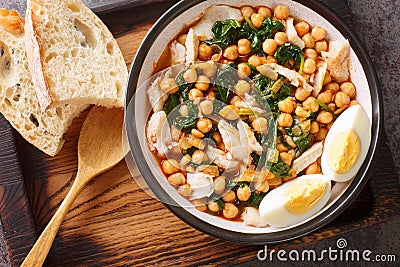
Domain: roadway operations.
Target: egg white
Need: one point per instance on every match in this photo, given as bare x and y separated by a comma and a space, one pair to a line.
272, 207
354, 118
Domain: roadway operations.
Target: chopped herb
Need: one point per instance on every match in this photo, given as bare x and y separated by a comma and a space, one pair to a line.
303, 142
280, 169
225, 33
324, 106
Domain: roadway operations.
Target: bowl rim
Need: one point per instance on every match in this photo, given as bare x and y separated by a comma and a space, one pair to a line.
274, 237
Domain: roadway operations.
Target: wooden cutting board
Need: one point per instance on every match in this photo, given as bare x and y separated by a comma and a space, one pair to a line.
113, 222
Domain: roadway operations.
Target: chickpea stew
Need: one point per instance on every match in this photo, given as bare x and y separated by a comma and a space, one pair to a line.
249, 110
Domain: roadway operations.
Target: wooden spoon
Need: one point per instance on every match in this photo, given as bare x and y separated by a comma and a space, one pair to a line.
99, 149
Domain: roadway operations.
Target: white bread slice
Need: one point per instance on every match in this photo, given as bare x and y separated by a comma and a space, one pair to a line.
18, 101
72, 55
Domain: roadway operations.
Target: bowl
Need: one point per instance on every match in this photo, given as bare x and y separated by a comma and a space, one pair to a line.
137, 109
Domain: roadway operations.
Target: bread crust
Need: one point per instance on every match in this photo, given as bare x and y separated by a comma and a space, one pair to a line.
11, 21
35, 62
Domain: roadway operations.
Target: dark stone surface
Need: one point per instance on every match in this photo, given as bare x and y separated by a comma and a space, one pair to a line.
377, 24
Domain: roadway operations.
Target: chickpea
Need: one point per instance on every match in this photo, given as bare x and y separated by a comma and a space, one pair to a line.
302, 112
314, 127
264, 11
190, 76
260, 125
183, 110
199, 156
353, 103
280, 38
310, 53
301, 94
313, 168
247, 11
321, 46
257, 20
205, 52
332, 106
271, 59
231, 52
244, 70
310, 104
348, 88
309, 66
308, 40
285, 120
255, 61
286, 105
327, 78
242, 87
228, 112
184, 143
282, 12
324, 117
281, 147
302, 28
204, 125
235, 99
270, 46
341, 99
203, 82
182, 39
200, 205
194, 94
185, 190
286, 158
206, 107
243, 193
213, 206
219, 185
306, 76
325, 97
169, 85
318, 33
177, 179
290, 142
332, 86
211, 70
321, 135
170, 166
229, 196
217, 137
230, 211
244, 46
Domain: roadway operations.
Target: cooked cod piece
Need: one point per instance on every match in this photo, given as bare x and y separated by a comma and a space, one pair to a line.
338, 60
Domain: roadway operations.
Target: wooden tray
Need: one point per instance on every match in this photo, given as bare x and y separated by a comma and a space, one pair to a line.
113, 222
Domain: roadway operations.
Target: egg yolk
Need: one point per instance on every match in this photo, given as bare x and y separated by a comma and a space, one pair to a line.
304, 195
344, 151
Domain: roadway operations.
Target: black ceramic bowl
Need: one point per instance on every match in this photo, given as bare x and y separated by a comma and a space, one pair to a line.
137, 109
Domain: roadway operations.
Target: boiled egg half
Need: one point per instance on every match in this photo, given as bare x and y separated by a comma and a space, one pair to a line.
295, 201
346, 144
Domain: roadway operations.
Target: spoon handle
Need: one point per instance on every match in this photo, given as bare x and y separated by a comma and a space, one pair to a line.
42, 246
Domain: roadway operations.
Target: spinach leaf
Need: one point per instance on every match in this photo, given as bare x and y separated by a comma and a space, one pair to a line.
287, 52
258, 36
171, 104
185, 123
225, 33
303, 142
183, 86
255, 199
263, 94
280, 169
225, 81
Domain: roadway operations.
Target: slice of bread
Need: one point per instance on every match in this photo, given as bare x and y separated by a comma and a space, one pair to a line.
18, 101
72, 55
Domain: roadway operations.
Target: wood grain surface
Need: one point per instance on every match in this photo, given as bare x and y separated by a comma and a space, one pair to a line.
114, 223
